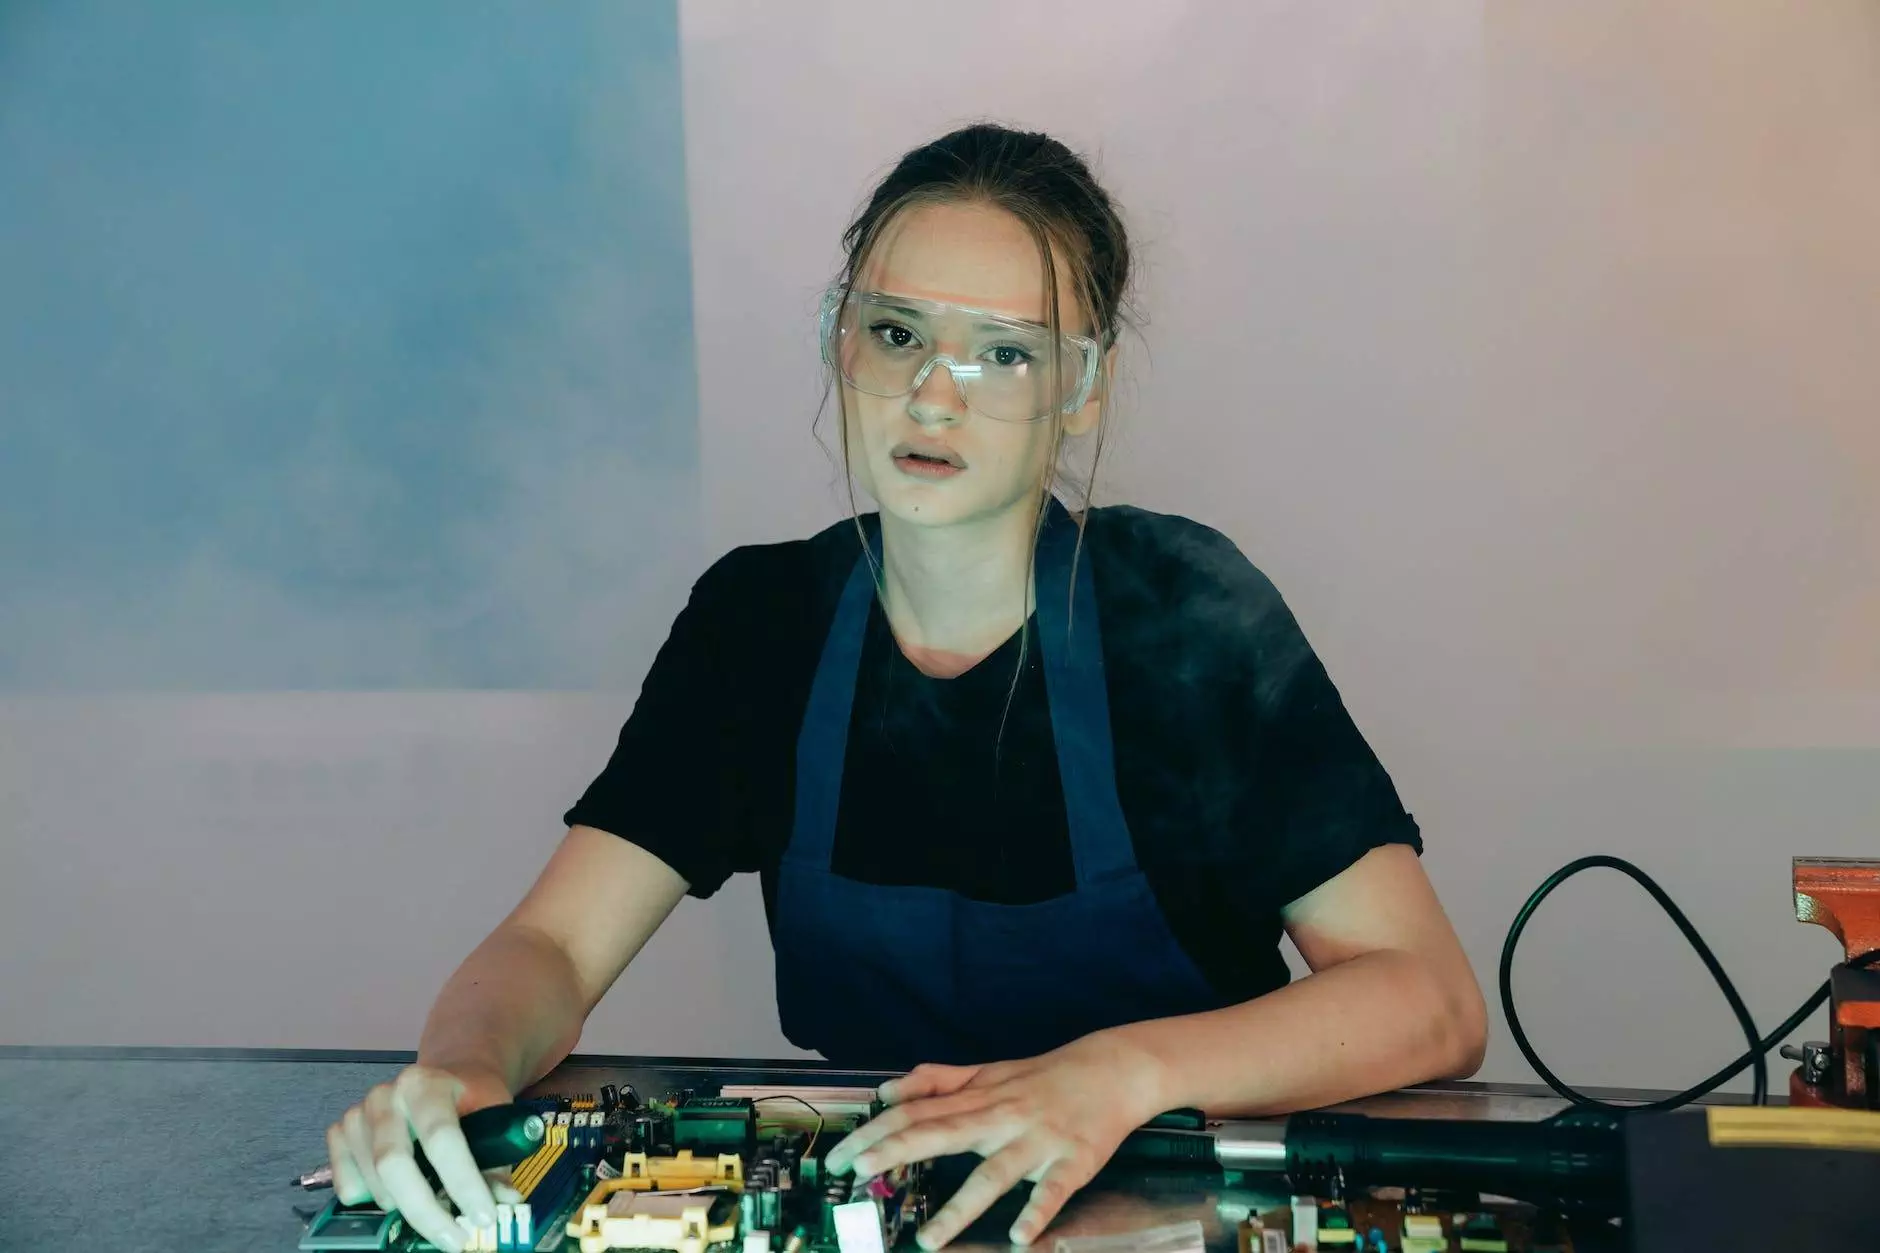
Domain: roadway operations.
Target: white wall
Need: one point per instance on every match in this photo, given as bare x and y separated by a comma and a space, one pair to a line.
1526, 352
1529, 354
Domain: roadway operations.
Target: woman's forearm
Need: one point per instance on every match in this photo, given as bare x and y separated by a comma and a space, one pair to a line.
1380, 1021
513, 1009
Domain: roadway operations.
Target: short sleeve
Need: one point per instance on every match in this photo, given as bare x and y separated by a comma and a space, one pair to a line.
664, 788
1332, 799
1243, 775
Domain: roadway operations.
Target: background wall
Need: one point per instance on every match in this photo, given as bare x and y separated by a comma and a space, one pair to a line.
1525, 347
348, 443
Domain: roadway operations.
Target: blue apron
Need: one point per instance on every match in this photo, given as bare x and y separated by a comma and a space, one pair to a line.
889, 977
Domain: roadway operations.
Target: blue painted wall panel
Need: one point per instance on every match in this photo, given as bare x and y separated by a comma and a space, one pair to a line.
343, 345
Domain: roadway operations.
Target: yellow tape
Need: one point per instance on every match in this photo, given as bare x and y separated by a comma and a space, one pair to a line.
1793, 1127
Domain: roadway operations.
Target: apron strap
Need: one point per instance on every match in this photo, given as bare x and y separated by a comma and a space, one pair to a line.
1071, 642
822, 742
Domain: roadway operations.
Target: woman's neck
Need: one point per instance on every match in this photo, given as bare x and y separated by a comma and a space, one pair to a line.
954, 594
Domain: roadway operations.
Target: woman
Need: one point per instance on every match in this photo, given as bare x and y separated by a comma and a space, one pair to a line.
1032, 793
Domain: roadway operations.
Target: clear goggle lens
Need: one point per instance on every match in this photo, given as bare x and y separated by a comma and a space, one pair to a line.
886, 345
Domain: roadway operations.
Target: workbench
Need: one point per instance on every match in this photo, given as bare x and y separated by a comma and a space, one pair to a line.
193, 1150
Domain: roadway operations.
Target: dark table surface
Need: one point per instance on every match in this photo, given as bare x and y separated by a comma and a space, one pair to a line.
192, 1150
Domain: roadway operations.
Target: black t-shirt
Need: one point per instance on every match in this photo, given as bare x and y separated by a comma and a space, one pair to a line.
1244, 782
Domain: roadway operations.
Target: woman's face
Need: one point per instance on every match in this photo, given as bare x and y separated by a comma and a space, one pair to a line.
981, 257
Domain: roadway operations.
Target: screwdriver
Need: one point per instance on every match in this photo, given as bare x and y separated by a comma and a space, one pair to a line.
501, 1135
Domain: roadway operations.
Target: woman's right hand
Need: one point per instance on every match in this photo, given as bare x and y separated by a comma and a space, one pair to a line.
371, 1151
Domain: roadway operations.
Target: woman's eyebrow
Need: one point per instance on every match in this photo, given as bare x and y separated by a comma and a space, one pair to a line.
992, 327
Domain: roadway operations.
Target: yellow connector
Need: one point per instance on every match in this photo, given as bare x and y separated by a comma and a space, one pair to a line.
616, 1215
640, 1173
531, 1170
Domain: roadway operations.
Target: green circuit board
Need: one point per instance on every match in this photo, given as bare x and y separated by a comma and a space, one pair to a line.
684, 1173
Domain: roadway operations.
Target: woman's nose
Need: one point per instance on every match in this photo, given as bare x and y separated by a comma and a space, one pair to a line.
937, 400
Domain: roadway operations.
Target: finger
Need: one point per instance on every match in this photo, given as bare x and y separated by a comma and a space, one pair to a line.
428, 1101
994, 1177
358, 1136
349, 1183
419, 1204
402, 1185
502, 1185
899, 1118
1048, 1195
931, 1079
985, 1131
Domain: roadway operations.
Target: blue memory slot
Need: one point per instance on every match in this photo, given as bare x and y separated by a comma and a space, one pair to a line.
556, 1190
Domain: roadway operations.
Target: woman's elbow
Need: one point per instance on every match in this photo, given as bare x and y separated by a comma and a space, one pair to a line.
1465, 1027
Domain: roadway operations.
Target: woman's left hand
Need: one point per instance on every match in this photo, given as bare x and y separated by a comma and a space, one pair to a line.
1054, 1119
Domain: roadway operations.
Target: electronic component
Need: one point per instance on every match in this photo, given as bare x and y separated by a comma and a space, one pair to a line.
1334, 1227
1423, 1233
1305, 1223
478, 1239
681, 1172
540, 1177
714, 1124
351, 1227
1479, 1233
858, 1226
832, 1103
615, 1216
761, 1206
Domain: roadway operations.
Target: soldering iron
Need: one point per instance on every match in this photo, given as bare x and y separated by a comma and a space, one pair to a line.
500, 1135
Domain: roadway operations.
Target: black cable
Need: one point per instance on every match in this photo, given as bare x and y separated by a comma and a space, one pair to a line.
1756, 1054
820, 1120
1758, 1047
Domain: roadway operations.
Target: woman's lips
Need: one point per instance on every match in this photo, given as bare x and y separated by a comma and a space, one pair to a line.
924, 468
927, 462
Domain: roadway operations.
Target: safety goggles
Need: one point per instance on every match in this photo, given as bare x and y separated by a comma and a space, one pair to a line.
887, 345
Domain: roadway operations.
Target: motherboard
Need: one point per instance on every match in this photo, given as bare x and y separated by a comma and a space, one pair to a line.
738, 1170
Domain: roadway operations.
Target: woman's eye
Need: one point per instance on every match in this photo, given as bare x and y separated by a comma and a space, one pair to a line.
892, 335
1008, 356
